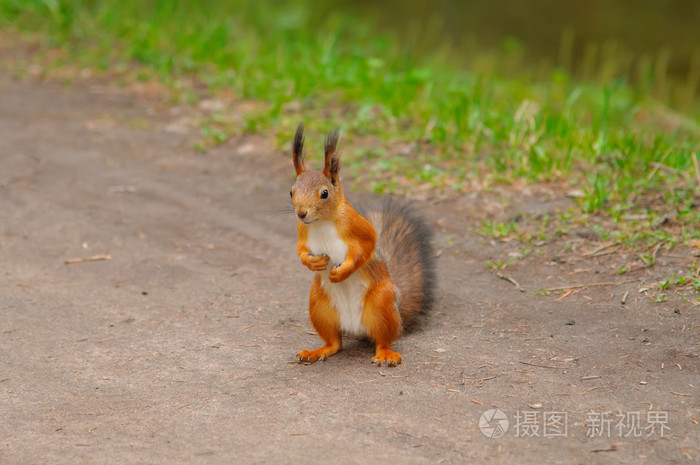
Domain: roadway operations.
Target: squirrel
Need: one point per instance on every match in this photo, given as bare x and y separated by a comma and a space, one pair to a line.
372, 275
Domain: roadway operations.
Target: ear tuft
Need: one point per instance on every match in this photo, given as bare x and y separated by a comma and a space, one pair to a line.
332, 166
332, 142
335, 168
298, 150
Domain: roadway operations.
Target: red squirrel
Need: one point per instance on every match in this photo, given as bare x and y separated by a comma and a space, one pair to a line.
372, 275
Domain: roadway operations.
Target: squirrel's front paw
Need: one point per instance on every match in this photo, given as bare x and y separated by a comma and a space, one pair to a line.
338, 274
315, 262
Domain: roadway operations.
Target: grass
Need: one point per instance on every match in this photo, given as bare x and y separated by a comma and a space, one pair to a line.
409, 120
684, 283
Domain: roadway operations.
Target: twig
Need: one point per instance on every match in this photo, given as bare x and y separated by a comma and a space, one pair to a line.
651, 261
656, 250
564, 295
541, 366
602, 254
661, 167
586, 378
510, 280
612, 448
673, 255
658, 165
94, 258
600, 249
581, 286
624, 298
580, 271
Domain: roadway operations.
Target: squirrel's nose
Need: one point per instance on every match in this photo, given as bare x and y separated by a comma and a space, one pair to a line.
302, 214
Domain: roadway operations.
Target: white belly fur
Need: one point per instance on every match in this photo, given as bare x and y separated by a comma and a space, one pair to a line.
347, 297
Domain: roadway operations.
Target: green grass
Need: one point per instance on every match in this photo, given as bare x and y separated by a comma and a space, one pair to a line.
686, 283
409, 120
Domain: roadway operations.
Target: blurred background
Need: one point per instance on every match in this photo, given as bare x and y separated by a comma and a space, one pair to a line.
654, 44
599, 96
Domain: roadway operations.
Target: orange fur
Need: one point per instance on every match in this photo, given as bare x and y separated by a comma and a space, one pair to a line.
379, 314
318, 196
312, 262
325, 322
360, 238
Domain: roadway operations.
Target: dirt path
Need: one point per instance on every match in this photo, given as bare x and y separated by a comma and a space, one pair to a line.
180, 347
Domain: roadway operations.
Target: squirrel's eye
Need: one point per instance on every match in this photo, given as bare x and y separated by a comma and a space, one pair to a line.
324, 194
290, 194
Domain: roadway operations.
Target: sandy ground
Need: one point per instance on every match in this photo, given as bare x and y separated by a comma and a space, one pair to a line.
180, 347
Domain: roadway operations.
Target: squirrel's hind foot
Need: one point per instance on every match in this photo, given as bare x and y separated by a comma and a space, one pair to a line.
387, 356
312, 356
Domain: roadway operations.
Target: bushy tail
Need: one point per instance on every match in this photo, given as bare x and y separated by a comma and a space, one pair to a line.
404, 244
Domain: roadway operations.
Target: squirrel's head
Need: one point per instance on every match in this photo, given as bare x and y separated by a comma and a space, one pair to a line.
316, 194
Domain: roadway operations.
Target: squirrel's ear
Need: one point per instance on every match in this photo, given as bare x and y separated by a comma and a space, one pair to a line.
332, 166
298, 150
